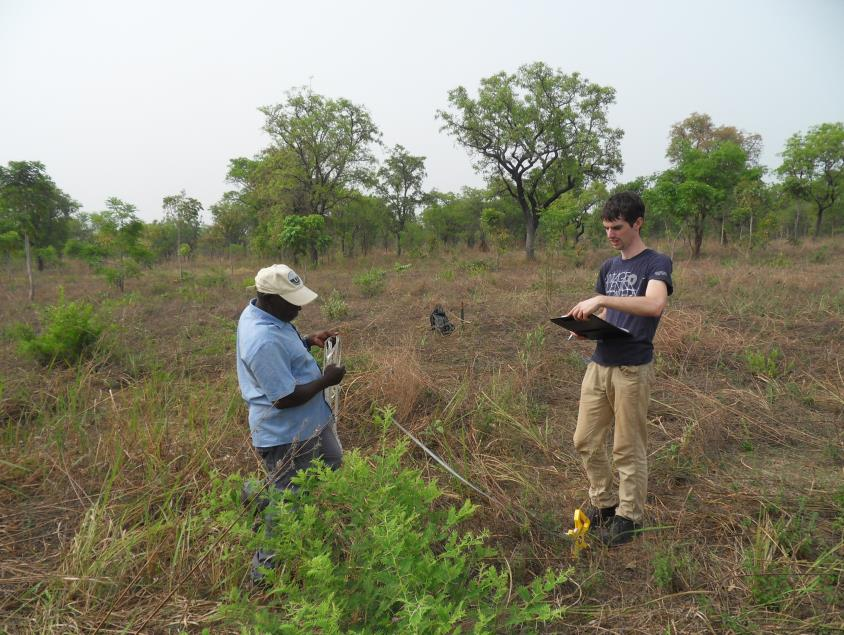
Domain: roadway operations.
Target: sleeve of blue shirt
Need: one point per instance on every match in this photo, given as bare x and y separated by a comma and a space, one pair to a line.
270, 365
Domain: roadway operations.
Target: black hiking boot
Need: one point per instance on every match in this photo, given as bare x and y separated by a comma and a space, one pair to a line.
600, 516
620, 531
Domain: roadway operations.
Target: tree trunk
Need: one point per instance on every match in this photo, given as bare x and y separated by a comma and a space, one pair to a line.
698, 238
179, 249
818, 222
28, 265
750, 235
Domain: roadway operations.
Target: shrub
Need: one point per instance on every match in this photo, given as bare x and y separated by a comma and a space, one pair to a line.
334, 306
372, 282
372, 548
770, 364
69, 333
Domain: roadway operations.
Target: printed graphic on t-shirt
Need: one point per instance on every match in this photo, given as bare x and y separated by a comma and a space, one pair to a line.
621, 284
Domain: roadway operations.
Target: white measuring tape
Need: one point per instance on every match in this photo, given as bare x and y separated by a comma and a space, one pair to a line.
332, 356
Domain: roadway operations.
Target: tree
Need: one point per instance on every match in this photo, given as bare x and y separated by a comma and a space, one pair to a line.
571, 211
753, 199
699, 184
35, 208
708, 163
183, 211
399, 183
330, 143
359, 222
303, 234
539, 133
454, 218
699, 132
114, 250
233, 219
812, 167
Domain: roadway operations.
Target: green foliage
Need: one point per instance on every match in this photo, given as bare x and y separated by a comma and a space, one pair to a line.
770, 363
398, 267
69, 333
303, 234
183, 212
767, 576
372, 548
533, 343
475, 267
113, 249
673, 567
32, 204
399, 184
708, 164
322, 147
372, 282
813, 167
47, 255
334, 306
536, 133
184, 250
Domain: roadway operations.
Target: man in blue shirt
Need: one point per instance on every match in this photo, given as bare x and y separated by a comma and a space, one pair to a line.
290, 421
633, 290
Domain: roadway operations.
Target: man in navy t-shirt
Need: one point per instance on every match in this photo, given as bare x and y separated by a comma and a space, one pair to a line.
633, 290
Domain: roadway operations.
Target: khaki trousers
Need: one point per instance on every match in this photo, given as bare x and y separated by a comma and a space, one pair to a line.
622, 392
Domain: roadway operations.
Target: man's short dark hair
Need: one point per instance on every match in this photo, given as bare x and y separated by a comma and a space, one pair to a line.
625, 206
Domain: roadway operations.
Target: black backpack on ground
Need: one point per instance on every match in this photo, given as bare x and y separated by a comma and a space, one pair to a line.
440, 321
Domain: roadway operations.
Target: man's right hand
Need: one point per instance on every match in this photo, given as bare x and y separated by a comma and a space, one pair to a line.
333, 374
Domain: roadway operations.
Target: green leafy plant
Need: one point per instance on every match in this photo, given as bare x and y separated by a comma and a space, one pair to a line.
373, 548
69, 333
372, 282
334, 307
673, 568
767, 576
769, 363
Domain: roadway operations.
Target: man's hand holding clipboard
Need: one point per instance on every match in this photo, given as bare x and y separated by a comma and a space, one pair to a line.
592, 328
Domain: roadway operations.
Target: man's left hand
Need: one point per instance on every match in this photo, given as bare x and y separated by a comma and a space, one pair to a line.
318, 339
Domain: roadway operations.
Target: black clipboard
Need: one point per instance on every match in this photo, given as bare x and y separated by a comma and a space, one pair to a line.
594, 328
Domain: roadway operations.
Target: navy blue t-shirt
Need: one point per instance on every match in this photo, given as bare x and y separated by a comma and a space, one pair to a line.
625, 278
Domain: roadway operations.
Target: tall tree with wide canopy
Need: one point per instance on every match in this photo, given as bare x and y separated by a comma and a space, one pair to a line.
331, 142
708, 163
34, 207
539, 132
813, 167
399, 184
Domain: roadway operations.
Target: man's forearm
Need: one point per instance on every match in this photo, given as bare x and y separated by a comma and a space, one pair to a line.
635, 305
302, 394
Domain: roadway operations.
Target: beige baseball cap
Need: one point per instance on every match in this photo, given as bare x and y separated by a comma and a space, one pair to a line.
282, 280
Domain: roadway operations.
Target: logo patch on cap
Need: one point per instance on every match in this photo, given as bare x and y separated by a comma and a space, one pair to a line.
293, 278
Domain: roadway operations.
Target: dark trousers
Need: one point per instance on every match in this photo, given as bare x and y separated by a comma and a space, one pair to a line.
282, 462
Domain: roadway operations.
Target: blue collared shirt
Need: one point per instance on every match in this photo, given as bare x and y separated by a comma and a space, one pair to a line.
271, 362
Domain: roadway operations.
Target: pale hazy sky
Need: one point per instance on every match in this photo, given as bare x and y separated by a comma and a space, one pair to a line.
142, 99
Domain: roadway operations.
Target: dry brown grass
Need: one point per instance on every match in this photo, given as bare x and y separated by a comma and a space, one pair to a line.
102, 466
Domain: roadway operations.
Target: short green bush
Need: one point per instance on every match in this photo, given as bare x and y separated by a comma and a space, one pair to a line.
69, 333
334, 307
373, 548
371, 283
769, 363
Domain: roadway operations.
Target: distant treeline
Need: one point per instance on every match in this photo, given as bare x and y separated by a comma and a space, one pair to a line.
539, 137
